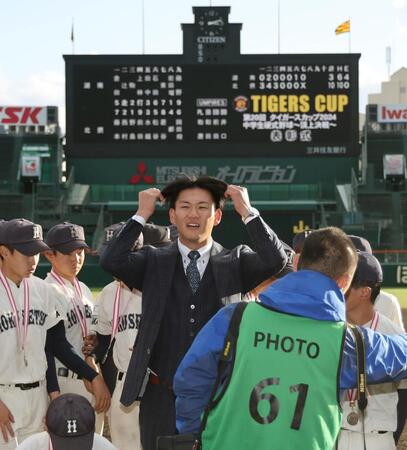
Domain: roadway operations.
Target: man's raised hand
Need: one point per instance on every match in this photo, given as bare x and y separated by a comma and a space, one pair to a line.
147, 200
240, 199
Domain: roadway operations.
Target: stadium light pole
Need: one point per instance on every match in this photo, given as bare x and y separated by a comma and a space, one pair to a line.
143, 43
278, 26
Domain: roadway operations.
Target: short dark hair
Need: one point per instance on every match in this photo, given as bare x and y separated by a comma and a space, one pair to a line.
214, 186
10, 249
375, 287
329, 251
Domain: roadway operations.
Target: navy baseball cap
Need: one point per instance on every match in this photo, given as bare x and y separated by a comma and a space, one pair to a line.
70, 421
361, 244
66, 237
109, 232
23, 235
368, 268
298, 240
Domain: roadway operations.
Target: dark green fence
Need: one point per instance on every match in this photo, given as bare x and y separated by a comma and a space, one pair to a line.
395, 275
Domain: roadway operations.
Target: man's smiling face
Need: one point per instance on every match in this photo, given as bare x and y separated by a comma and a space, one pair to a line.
195, 215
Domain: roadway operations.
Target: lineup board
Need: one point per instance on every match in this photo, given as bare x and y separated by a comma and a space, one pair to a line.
299, 105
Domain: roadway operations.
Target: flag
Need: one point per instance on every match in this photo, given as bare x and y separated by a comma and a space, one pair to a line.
343, 28
72, 33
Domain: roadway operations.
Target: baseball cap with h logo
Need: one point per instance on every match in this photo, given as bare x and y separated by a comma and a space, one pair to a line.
66, 237
70, 421
23, 236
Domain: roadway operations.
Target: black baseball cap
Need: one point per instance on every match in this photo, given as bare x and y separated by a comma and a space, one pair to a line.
23, 235
173, 232
368, 268
361, 244
109, 232
156, 235
299, 239
70, 421
289, 267
66, 237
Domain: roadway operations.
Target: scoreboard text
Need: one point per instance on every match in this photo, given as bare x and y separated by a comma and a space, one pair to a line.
131, 106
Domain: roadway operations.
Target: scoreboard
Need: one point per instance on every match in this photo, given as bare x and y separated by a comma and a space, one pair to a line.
250, 105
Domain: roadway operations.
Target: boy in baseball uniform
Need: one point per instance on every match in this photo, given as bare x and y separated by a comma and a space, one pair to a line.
67, 255
374, 427
119, 318
27, 316
27, 312
70, 423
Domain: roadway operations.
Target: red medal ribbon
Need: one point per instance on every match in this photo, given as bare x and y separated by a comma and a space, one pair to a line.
81, 317
21, 329
375, 321
116, 311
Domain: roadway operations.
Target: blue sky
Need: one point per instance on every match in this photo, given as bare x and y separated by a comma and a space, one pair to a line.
35, 35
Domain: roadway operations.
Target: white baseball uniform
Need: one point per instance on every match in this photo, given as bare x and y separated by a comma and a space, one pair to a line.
381, 412
23, 361
76, 300
388, 305
123, 421
40, 441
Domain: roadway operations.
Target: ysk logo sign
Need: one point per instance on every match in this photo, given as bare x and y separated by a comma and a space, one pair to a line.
23, 115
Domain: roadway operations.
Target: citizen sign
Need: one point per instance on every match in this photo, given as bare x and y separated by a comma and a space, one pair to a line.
211, 39
23, 115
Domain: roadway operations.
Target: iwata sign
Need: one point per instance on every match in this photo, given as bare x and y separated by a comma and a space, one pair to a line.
23, 115
392, 113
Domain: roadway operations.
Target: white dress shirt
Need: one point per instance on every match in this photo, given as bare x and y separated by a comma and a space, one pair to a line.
202, 261
204, 251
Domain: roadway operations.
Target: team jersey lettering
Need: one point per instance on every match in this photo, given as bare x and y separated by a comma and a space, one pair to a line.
129, 322
36, 317
7, 322
72, 318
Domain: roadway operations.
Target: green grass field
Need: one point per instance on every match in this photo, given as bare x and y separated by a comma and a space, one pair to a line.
400, 293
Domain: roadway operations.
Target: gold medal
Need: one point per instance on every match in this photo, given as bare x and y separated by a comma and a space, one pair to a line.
353, 418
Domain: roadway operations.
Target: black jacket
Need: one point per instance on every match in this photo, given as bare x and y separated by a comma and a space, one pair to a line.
150, 270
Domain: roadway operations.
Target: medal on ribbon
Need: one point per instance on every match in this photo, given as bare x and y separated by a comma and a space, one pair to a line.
76, 306
21, 325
